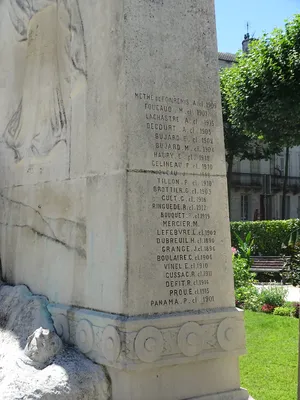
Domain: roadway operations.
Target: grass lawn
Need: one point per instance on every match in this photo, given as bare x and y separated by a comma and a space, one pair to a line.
270, 369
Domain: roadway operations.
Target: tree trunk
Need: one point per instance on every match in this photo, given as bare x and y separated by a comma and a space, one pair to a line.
229, 179
285, 181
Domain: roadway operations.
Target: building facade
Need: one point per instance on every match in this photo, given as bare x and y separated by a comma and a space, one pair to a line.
256, 188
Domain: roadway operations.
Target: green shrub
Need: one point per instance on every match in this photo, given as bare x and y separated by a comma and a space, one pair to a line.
248, 297
245, 247
291, 256
274, 296
246, 294
285, 311
241, 272
295, 306
268, 236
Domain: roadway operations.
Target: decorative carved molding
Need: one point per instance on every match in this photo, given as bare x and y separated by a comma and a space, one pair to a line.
131, 343
61, 325
229, 334
111, 343
85, 336
190, 339
149, 344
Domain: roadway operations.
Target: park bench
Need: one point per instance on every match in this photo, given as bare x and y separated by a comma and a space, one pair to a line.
267, 267
266, 264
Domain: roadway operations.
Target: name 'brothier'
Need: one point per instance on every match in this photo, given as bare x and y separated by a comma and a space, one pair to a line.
170, 189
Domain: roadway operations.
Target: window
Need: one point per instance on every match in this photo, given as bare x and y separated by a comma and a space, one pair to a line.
272, 165
281, 163
287, 206
236, 166
244, 207
255, 166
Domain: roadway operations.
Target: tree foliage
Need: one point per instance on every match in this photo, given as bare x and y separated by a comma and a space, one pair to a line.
269, 236
262, 91
239, 143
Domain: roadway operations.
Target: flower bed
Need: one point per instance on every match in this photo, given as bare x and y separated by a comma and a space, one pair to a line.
271, 300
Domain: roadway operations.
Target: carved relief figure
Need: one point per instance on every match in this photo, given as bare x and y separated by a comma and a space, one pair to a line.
53, 33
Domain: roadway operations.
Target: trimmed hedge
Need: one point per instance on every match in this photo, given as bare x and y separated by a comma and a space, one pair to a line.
268, 235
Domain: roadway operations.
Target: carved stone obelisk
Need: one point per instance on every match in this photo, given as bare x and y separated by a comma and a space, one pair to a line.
113, 190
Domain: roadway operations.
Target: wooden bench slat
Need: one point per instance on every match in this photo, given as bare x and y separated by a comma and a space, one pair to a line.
266, 264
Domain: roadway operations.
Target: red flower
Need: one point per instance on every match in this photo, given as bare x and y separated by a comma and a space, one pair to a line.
267, 308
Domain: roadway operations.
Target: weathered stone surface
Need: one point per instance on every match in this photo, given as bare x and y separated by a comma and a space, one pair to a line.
21, 313
41, 347
70, 376
113, 192
43, 81
145, 342
112, 155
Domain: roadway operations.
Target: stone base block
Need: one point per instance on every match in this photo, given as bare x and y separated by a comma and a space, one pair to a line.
162, 357
216, 379
142, 342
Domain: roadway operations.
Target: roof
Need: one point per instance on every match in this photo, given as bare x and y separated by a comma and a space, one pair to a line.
227, 57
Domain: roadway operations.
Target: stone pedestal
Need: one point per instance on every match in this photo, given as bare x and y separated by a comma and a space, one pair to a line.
114, 200
170, 356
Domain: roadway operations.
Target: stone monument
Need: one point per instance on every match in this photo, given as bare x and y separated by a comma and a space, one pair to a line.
113, 188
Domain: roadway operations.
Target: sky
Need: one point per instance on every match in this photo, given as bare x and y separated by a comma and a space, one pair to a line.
262, 16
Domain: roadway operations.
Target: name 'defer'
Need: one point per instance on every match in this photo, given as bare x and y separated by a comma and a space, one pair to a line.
182, 283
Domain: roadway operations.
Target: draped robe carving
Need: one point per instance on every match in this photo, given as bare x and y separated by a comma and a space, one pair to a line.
53, 34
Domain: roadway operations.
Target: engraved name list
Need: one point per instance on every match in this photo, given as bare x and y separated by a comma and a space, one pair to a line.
181, 138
